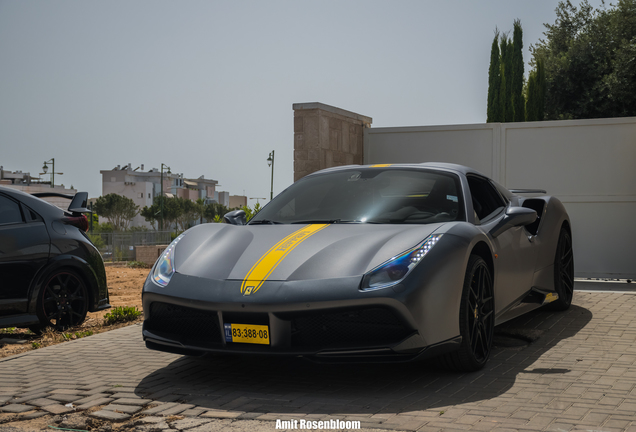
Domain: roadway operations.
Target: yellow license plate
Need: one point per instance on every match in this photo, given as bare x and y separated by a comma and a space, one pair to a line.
247, 333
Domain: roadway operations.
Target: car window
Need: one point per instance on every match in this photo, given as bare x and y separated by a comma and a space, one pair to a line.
372, 195
487, 202
30, 215
9, 211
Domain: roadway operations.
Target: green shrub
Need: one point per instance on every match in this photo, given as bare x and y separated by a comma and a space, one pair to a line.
77, 335
121, 314
97, 240
137, 264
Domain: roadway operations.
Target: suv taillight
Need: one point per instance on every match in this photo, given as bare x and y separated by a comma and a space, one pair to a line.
80, 222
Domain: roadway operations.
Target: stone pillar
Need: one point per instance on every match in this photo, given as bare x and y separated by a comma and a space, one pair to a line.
326, 136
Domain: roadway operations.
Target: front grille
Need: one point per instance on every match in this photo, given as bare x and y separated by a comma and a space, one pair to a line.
357, 328
184, 324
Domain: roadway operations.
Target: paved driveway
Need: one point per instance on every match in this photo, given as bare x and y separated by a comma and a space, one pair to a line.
579, 373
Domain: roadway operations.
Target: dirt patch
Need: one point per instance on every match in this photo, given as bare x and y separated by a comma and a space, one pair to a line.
124, 288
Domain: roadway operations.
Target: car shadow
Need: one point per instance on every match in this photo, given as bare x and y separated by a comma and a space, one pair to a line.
292, 385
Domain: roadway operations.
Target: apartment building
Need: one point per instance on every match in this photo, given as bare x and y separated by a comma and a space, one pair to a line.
142, 186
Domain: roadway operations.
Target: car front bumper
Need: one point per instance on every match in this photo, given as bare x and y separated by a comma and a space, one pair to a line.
328, 320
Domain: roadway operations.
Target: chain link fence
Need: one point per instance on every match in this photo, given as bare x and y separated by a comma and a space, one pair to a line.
120, 246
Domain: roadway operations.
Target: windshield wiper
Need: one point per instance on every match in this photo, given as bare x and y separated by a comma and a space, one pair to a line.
264, 222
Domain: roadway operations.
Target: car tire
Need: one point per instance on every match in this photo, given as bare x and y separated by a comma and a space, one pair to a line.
476, 319
62, 302
563, 272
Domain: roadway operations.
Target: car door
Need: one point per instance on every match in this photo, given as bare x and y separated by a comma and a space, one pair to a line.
516, 255
24, 249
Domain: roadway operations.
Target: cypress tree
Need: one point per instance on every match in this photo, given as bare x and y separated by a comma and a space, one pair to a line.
540, 104
509, 70
518, 103
503, 100
493, 112
535, 106
531, 101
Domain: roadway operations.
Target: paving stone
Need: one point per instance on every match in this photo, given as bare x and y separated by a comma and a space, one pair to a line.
6, 398
249, 416
150, 419
65, 391
194, 412
93, 403
124, 395
169, 398
109, 415
92, 398
16, 408
163, 426
224, 414
57, 409
135, 401
33, 415
177, 409
43, 402
120, 389
30, 397
99, 389
159, 408
10, 390
128, 409
160, 393
188, 423
64, 397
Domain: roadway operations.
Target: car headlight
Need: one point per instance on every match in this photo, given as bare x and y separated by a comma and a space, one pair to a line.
164, 267
394, 270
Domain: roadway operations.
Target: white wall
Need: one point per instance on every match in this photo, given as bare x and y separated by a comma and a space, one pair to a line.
590, 165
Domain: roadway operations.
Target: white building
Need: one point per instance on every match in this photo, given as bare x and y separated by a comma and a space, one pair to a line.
142, 186
24, 182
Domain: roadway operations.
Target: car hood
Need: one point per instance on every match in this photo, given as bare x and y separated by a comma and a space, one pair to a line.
292, 252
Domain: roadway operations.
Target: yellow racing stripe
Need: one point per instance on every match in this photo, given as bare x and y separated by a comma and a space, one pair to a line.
268, 262
381, 165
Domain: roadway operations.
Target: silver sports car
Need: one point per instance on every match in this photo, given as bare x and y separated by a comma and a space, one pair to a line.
378, 262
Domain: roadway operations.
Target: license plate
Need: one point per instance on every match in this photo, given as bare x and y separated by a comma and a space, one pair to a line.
247, 333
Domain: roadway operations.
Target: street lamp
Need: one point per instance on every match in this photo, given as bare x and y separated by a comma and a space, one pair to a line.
162, 197
45, 168
270, 162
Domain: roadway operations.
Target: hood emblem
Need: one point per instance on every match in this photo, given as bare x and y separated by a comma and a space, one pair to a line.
268, 262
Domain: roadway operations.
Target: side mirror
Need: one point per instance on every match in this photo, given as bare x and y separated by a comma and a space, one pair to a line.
236, 217
515, 216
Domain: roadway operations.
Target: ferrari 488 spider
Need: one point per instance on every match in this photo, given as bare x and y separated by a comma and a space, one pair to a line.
379, 262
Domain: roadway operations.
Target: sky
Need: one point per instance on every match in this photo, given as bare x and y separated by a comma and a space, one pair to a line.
207, 87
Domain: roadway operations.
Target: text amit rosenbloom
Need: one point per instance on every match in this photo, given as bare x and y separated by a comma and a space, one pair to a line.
317, 424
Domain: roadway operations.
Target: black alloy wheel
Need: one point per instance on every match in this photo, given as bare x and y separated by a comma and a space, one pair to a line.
63, 302
563, 272
476, 319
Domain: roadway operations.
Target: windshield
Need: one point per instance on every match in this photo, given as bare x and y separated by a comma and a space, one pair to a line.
370, 195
